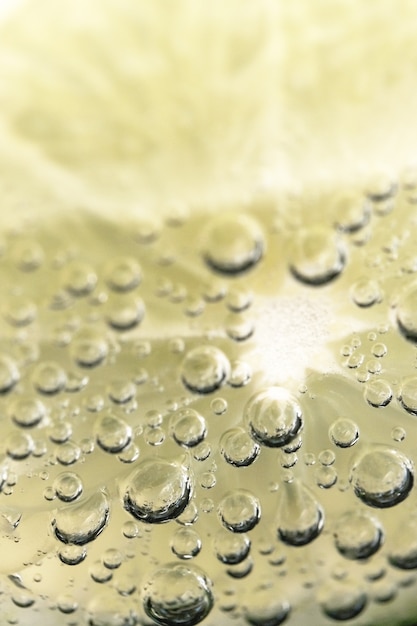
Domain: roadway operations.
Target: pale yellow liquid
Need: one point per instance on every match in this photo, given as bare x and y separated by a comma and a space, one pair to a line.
129, 144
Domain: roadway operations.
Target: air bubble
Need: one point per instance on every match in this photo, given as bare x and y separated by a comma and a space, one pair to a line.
319, 257
239, 511
112, 433
231, 548
68, 453
266, 607
27, 412
408, 395
123, 274
382, 477
326, 477
378, 393
352, 211
49, 378
240, 375
9, 374
186, 543
68, 486
238, 327
158, 491
219, 406
89, 348
403, 554
178, 595
233, 243
188, 428
205, 369
80, 278
365, 293
67, 604
82, 522
342, 600
20, 311
300, 517
238, 448
122, 391
273, 417
19, 445
72, 554
358, 535
125, 313
344, 433
407, 313
112, 558
28, 255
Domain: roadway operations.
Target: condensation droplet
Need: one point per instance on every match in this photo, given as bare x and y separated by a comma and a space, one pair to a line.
233, 243
382, 477
344, 433
239, 511
158, 491
273, 417
205, 369
178, 595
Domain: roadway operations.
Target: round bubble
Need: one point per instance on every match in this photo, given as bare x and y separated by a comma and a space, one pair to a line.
318, 257
231, 548
239, 511
188, 427
382, 477
82, 522
177, 595
342, 600
158, 491
408, 395
27, 412
9, 374
273, 417
238, 448
205, 369
378, 393
344, 433
358, 535
233, 243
